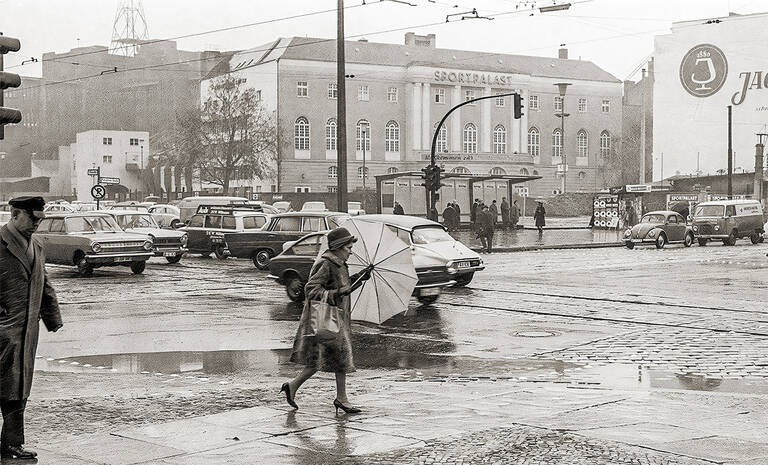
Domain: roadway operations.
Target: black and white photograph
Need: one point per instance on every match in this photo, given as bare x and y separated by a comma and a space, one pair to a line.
383, 232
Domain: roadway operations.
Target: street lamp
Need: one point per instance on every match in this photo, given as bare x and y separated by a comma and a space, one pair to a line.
562, 87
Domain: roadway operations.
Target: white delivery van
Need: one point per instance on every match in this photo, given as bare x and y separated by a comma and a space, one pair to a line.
728, 220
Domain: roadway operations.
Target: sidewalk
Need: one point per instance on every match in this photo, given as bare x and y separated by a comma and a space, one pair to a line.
407, 420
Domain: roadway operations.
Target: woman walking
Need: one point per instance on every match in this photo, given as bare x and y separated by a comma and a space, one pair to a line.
539, 215
329, 278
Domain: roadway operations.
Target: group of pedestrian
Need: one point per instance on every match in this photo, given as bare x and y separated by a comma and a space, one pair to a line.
510, 214
452, 216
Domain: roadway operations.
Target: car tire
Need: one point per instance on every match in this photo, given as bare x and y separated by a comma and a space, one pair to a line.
755, 238
462, 281
630, 245
138, 267
661, 241
427, 299
703, 242
688, 241
731, 240
261, 258
84, 269
294, 288
205, 254
175, 259
175, 224
220, 252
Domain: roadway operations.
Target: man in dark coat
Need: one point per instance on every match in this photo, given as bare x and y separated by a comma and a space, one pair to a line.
398, 210
505, 212
449, 217
514, 214
26, 296
540, 216
458, 213
494, 211
473, 213
485, 228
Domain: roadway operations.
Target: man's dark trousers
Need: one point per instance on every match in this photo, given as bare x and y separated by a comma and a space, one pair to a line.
13, 422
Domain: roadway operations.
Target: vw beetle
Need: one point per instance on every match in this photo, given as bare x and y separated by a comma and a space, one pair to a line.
659, 228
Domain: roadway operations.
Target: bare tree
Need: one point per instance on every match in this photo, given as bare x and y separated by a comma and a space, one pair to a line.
621, 164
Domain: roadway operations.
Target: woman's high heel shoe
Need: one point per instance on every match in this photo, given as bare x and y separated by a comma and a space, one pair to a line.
346, 409
288, 396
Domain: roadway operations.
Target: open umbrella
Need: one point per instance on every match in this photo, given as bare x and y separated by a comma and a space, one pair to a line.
393, 276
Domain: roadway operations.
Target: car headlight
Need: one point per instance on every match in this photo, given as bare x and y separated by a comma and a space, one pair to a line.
717, 227
148, 245
96, 247
184, 240
627, 233
652, 233
695, 228
452, 267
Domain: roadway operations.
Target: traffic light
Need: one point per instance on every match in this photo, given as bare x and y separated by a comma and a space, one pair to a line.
518, 105
428, 178
7, 80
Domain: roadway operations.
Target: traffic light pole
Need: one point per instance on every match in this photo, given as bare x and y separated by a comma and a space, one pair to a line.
432, 172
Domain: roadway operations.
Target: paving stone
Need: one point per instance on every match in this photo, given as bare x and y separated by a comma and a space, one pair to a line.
342, 441
719, 449
114, 450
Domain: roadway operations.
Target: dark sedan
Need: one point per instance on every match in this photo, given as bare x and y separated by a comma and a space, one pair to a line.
659, 228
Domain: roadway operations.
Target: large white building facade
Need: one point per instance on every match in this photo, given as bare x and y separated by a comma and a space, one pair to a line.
396, 95
701, 68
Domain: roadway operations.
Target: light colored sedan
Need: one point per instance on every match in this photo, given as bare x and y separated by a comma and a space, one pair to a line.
659, 228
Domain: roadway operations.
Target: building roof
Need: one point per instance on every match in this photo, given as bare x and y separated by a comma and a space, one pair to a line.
317, 49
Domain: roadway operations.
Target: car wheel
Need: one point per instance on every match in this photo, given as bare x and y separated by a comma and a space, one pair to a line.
703, 242
731, 238
220, 252
138, 267
661, 241
261, 259
295, 289
427, 299
175, 224
462, 281
84, 269
205, 254
755, 238
688, 241
175, 259
630, 245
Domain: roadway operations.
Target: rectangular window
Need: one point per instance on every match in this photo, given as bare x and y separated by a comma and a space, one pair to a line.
258, 95
558, 103
333, 91
469, 94
362, 93
499, 101
333, 188
106, 141
582, 104
533, 102
302, 89
606, 106
133, 141
106, 159
392, 95
439, 95
301, 189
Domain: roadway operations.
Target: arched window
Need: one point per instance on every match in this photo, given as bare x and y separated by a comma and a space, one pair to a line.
331, 134
605, 144
301, 134
470, 138
535, 173
499, 139
442, 140
582, 144
360, 172
460, 170
496, 171
392, 137
524, 171
333, 172
392, 170
557, 143
363, 135
534, 142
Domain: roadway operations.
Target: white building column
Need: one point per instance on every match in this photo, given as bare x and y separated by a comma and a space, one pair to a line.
455, 132
486, 132
415, 116
524, 124
515, 133
426, 118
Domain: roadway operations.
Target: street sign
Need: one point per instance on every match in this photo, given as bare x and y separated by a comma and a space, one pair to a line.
93, 172
98, 192
106, 180
632, 187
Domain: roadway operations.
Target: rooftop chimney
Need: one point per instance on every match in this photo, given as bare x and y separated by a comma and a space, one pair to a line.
643, 73
428, 41
562, 53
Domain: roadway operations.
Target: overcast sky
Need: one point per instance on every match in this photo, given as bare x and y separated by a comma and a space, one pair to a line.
617, 35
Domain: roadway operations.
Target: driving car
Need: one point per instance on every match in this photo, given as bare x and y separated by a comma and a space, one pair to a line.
355, 208
85, 206
728, 220
166, 216
260, 246
128, 205
314, 207
282, 206
206, 229
92, 240
660, 228
58, 208
165, 243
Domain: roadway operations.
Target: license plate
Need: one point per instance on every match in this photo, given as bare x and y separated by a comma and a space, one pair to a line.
169, 254
464, 264
430, 291
122, 259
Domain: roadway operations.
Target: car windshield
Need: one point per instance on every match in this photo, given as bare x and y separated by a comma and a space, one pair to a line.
88, 224
136, 221
336, 221
655, 219
430, 235
709, 210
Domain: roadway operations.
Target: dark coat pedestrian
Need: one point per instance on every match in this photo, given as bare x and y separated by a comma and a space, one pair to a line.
505, 212
494, 210
398, 209
449, 217
473, 211
514, 214
540, 216
485, 228
458, 213
26, 297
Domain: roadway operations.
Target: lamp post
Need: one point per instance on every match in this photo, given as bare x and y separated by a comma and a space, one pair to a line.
2, 170
562, 87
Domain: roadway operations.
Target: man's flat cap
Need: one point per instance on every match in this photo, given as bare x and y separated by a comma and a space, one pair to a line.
29, 203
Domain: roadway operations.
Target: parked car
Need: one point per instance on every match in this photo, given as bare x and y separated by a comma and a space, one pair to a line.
207, 228
5, 217
85, 206
166, 216
58, 208
355, 208
92, 240
165, 243
128, 205
314, 207
728, 220
261, 246
188, 205
282, 206
659, 228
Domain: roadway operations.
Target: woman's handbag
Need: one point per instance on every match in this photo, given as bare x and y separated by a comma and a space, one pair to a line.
324, 320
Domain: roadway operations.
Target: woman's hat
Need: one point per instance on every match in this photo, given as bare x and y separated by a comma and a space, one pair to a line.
339, 237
